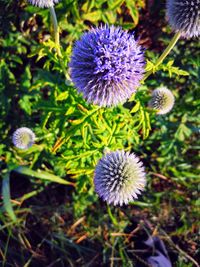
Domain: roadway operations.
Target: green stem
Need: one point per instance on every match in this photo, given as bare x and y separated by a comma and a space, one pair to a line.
56, 30
164, 54
57, 41
113, 219
160, 59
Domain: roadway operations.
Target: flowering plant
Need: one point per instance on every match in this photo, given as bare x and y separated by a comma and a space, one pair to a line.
80, 97
106, 65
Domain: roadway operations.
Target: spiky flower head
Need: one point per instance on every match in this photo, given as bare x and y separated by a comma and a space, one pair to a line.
184, 16
162, 100
43, 3
23, 138
119, 177
107, 65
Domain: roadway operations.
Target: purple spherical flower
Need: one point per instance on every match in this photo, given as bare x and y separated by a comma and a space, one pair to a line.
119, 177
43, 3
184, 16
107, 65
23, 138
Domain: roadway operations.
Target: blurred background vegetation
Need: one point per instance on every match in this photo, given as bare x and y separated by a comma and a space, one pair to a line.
45, 223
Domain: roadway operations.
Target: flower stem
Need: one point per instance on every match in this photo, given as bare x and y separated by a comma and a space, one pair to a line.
57, 41
164, 54
56, 30
160, 59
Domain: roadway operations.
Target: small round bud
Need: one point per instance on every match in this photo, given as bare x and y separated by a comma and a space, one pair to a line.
23, 138
162, 100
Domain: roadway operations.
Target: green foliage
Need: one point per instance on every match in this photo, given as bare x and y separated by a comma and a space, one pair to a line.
36, 92
168, 68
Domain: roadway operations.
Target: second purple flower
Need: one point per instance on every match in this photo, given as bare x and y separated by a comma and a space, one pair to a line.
107, 65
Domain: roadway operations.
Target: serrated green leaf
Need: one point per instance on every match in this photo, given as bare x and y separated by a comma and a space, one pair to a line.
135, 108
114, 4
133, 11
183, 132
62, 96
92, 16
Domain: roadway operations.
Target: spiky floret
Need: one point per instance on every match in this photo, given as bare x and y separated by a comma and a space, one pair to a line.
43, 3
119, 177
162, 100
107, 65
23, 138
184, 16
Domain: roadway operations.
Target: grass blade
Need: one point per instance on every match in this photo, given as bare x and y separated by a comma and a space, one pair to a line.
43, 175
6, 197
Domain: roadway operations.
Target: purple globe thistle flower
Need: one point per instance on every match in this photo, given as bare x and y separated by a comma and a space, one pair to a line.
107, 65
23, 138
162, 100
119, 177
184, 16
43, 3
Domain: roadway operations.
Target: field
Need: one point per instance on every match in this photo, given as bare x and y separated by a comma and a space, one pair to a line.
50, 212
